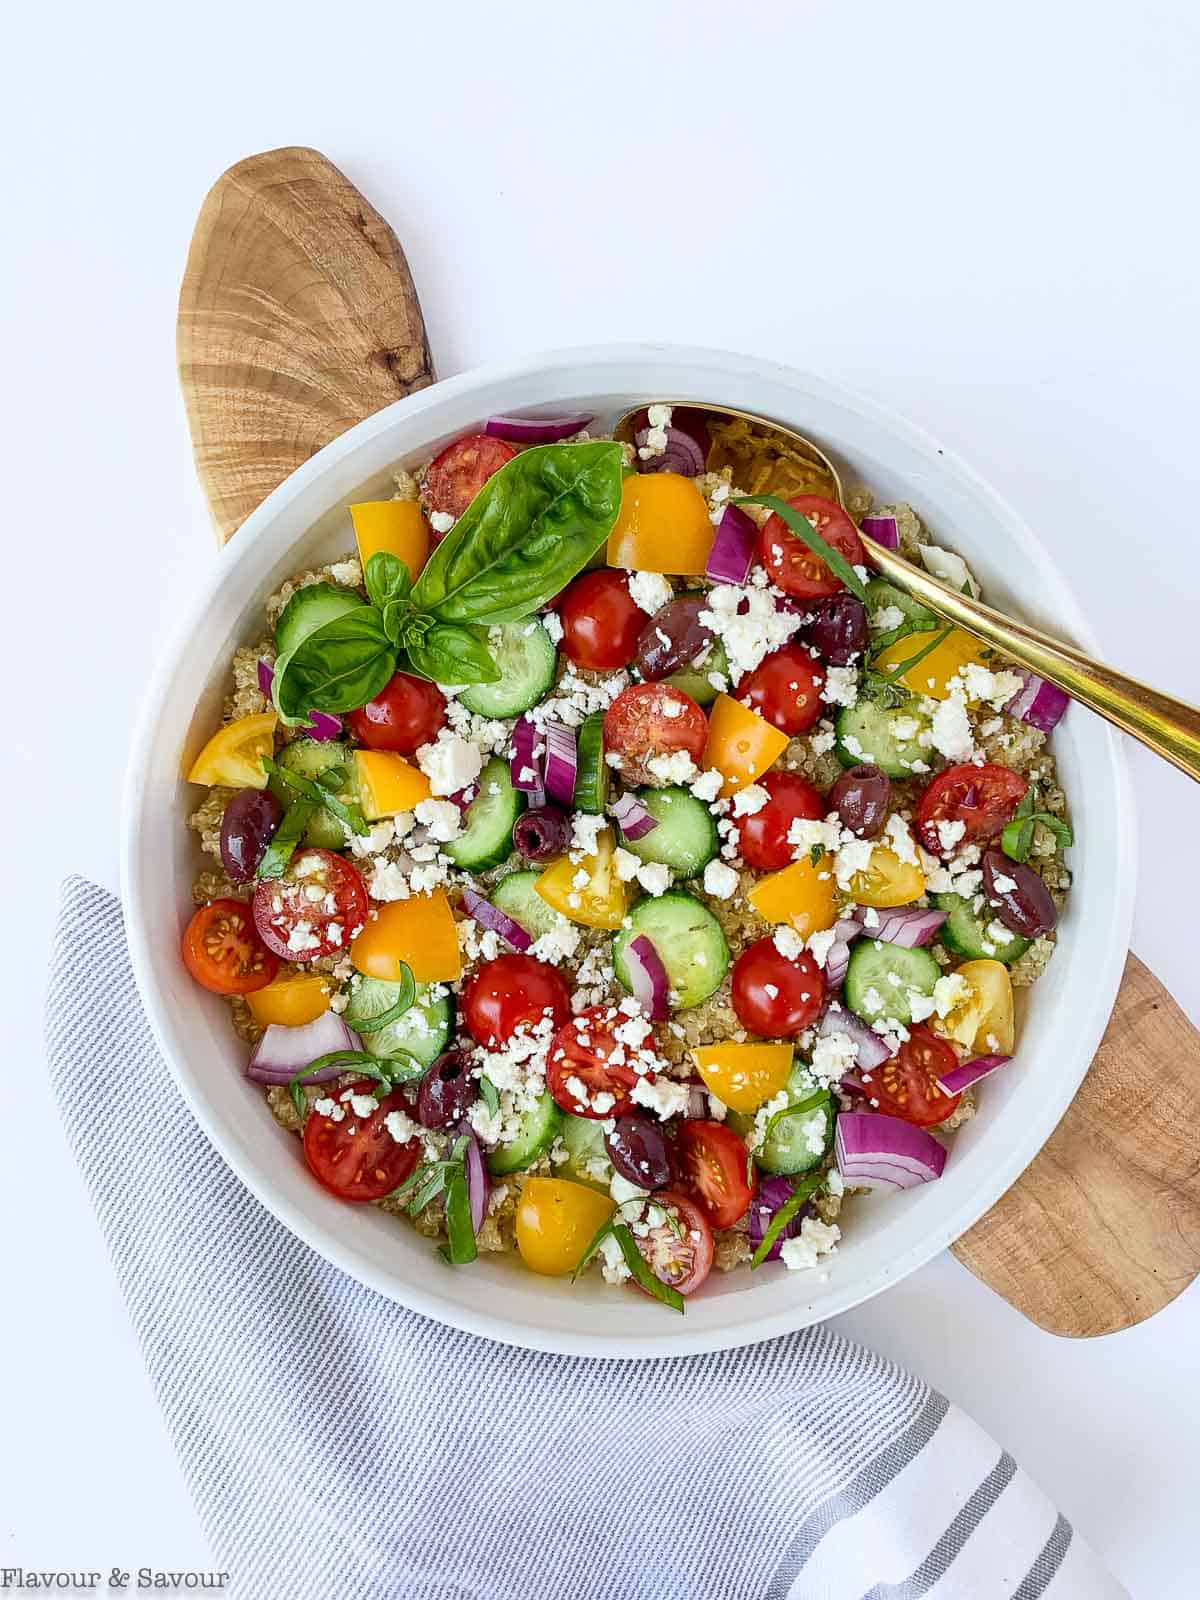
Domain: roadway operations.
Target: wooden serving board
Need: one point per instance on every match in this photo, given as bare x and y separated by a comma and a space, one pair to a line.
298, 317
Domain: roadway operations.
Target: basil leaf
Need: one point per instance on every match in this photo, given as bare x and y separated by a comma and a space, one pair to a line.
397, 619
807, 534
489, 1096
366, 1066
336, 668
803, 1192
529, 530
801, 1108
387, 579
460, 1230
1061, 830
639, 1269
598, 1238
899, 668
452, 654
322, 792
285, 839
1017, 838
433, 1184
405, 992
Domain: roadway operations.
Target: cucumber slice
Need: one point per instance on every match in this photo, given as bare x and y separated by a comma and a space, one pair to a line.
423, 1031
527, 659
486, 839
686, 837
309, 758
591, 776
965, 934
539, 1128
789, 1148
584, 1139
870, 732
371, 1005
516, 895
869, 989
689, 942
693, 680
881, 593
311, 608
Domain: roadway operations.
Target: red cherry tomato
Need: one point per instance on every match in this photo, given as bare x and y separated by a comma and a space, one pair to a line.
580, 1056
680, 1255
355, 1157
403, 716
712, 1162
983, 799
513, 992
775, 995
454, 478
601, 621
315, 909
222, 951
785, 688
794, 568
653, 719
906, 1085
763, 835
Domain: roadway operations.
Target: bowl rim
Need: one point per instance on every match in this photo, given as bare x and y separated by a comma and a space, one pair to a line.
677, 1339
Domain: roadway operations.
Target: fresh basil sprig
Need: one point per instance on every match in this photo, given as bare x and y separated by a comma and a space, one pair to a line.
807, 534
358, 1061
1017, 839
802, 1193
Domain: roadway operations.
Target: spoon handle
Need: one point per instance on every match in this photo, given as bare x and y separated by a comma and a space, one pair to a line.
1169, 727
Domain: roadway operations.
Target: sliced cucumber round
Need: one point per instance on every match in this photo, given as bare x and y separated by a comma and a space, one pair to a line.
486, 839
880, 977
689, 942
795, 1144
881, 593
527, 659
539, 1128
965, 934
693, 680
591, 777
686, 836
311, 608
584, 1141
423, 1031
887, 736
373, 1003
516, 895
310, 758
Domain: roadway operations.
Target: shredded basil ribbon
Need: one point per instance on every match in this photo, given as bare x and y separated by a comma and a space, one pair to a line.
804, 531
1017, 838
801, 1195
639, 1267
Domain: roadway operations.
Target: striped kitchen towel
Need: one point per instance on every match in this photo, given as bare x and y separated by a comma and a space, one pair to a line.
340, 1447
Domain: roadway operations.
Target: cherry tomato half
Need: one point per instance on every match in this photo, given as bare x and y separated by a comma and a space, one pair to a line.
785, 689
679, 1252
579, 1056
774, 995
405, 714
512, 992
222, 951
793, 567
601, 621
713, 1163
983, 799
355, 1157
653, 719
453, 478
763, 835
315, 909
906, 1085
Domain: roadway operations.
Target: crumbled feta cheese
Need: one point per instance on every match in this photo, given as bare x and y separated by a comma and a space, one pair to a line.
401, 1127
950, 568
328, 1107
441, 521
441, 817
677, 767
820, 944
664, 1096
749, 800
552, 623
626, 863
949, 991
950, 832
833, 1056
720, 880
885, 618
900, 839
841, 686
623, 1191
347, 573
654, 877
708, 785
451, 763
747, 624
823, 739
951, 731
612, 1262
787, 941
649, 590
815, 1239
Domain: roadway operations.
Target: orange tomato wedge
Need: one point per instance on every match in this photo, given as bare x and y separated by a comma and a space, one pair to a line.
741, 744
388, 784
233, 756
291, 1001
396, 527
932, 674
556, 1221
744, 1076
419, 932
801, 895
886, 880
662, 526
601, 901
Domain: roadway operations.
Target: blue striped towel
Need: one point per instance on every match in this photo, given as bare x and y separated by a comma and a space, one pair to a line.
340, 1447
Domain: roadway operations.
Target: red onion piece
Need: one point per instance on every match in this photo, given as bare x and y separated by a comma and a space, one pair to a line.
1039, 703
909, 927
773, 1193
462, 798
698, 1099
870, 1049
323, 724
478, 1184
266, 677
524, 761
489, 916
537, 430
562, 763
683, 454
647, 978
282, 1052
837, 958
732, 553
969, 1072
634, 819
883, 530
878, 1152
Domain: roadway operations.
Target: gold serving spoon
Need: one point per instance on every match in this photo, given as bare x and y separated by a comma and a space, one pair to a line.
768, 458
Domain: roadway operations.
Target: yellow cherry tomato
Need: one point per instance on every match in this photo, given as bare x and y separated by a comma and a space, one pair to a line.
801, 895
662, 526
395, 527
741, 744
556, 1221
388, 784
981, 1018
886, 880
233, 757
744, 1076
419, 932
932, 674
602, 901
292, 1000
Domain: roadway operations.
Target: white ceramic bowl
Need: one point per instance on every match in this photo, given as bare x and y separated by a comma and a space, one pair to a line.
305, 522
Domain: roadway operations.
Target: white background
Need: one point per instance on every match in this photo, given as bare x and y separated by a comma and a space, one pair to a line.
982, 215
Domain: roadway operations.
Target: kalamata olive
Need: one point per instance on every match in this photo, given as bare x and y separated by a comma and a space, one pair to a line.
247, 828
447, 1091
672, 638
1018, 896
861, 797
541, 833
638, 1149
837, 630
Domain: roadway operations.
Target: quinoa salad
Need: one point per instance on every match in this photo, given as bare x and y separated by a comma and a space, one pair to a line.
604, 865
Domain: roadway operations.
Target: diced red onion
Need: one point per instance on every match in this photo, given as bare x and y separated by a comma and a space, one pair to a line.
537, 430
633, 817
698, 1099
878, 1152
870, 1048
837, 958
969, 1072
462, 798
324, 725
773, 1193
524, 769
282, 1052
909, 927
1039, 703
489, 916
266, 677
478, 1184
562, 763
683, 454
883, 530
647, 977
732, 553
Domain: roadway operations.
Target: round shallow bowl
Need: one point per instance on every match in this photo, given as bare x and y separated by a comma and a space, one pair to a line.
305, 522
